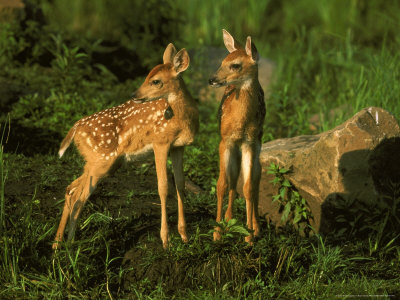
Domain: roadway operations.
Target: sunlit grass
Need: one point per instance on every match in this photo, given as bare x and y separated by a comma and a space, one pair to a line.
332, 59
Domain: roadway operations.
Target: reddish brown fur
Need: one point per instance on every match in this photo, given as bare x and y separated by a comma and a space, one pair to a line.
131, 129
157, 69
240, 53
242, 113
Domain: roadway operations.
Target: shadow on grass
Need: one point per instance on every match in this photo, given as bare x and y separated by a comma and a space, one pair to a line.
370, 203
30, 141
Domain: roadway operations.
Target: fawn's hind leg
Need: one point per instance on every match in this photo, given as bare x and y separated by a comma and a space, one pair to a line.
76, 196
229, 158
256, 186
251, 178
66, 211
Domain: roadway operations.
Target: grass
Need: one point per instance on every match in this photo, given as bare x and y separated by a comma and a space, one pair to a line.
332, 58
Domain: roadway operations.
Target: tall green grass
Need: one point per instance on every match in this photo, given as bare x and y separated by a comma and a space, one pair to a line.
272, 21
332, 83
333, 58
338, 56
9, 266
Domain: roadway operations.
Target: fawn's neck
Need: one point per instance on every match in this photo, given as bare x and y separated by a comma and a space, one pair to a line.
180, 98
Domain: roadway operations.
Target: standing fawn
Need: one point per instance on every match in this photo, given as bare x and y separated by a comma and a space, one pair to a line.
241, 117
163, 118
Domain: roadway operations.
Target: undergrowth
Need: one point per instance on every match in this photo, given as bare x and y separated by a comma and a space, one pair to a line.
331, 61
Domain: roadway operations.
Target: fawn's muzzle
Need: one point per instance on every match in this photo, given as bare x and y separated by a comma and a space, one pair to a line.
213, 81
134, 96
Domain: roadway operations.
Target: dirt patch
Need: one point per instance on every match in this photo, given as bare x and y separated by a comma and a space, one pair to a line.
152, 268
130, 193
211, 269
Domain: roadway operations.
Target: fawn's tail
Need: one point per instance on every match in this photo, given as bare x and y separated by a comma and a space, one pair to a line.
67, 141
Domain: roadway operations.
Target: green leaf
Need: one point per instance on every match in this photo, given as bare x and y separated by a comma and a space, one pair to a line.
286, 211
231, 222
340, 219
297, 218
275, 180
275, 198
239, 229
283, 171
282, 192
286, 183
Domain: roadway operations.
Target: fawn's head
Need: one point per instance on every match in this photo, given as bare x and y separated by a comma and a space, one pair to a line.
239, 66
164, 80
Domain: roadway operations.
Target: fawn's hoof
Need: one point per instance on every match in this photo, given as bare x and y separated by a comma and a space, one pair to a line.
217, 235
56, 245
249, 239
184, 239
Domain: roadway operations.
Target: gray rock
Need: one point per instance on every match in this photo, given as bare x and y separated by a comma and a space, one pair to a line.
353, 162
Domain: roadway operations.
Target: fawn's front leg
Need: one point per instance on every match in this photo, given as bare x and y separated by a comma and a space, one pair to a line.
161, 156
177, 165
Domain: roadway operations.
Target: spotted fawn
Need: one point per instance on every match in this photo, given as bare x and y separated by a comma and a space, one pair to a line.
163, 118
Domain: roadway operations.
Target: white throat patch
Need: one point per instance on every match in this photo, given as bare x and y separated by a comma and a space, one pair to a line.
172, 97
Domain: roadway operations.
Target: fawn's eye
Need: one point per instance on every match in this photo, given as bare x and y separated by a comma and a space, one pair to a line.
235, 67
155, 82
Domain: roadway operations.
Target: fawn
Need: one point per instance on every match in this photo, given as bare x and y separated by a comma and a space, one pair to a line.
163, 117
241, 116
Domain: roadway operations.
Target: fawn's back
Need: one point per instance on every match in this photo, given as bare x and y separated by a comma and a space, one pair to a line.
167, 115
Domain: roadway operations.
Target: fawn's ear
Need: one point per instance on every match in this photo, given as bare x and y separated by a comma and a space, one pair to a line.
181, 61
230, 43
169, 54
251, 50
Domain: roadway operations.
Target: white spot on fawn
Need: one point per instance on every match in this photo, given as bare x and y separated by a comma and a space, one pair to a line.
89, 142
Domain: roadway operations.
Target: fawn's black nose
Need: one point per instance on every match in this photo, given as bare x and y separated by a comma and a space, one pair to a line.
212, 81
133, 94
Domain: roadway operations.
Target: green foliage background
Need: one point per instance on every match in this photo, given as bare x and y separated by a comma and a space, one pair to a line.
61, 60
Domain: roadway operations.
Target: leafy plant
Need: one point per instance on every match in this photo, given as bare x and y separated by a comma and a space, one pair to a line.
230, 229
68, 64
333, 57
10, 44
294, 205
